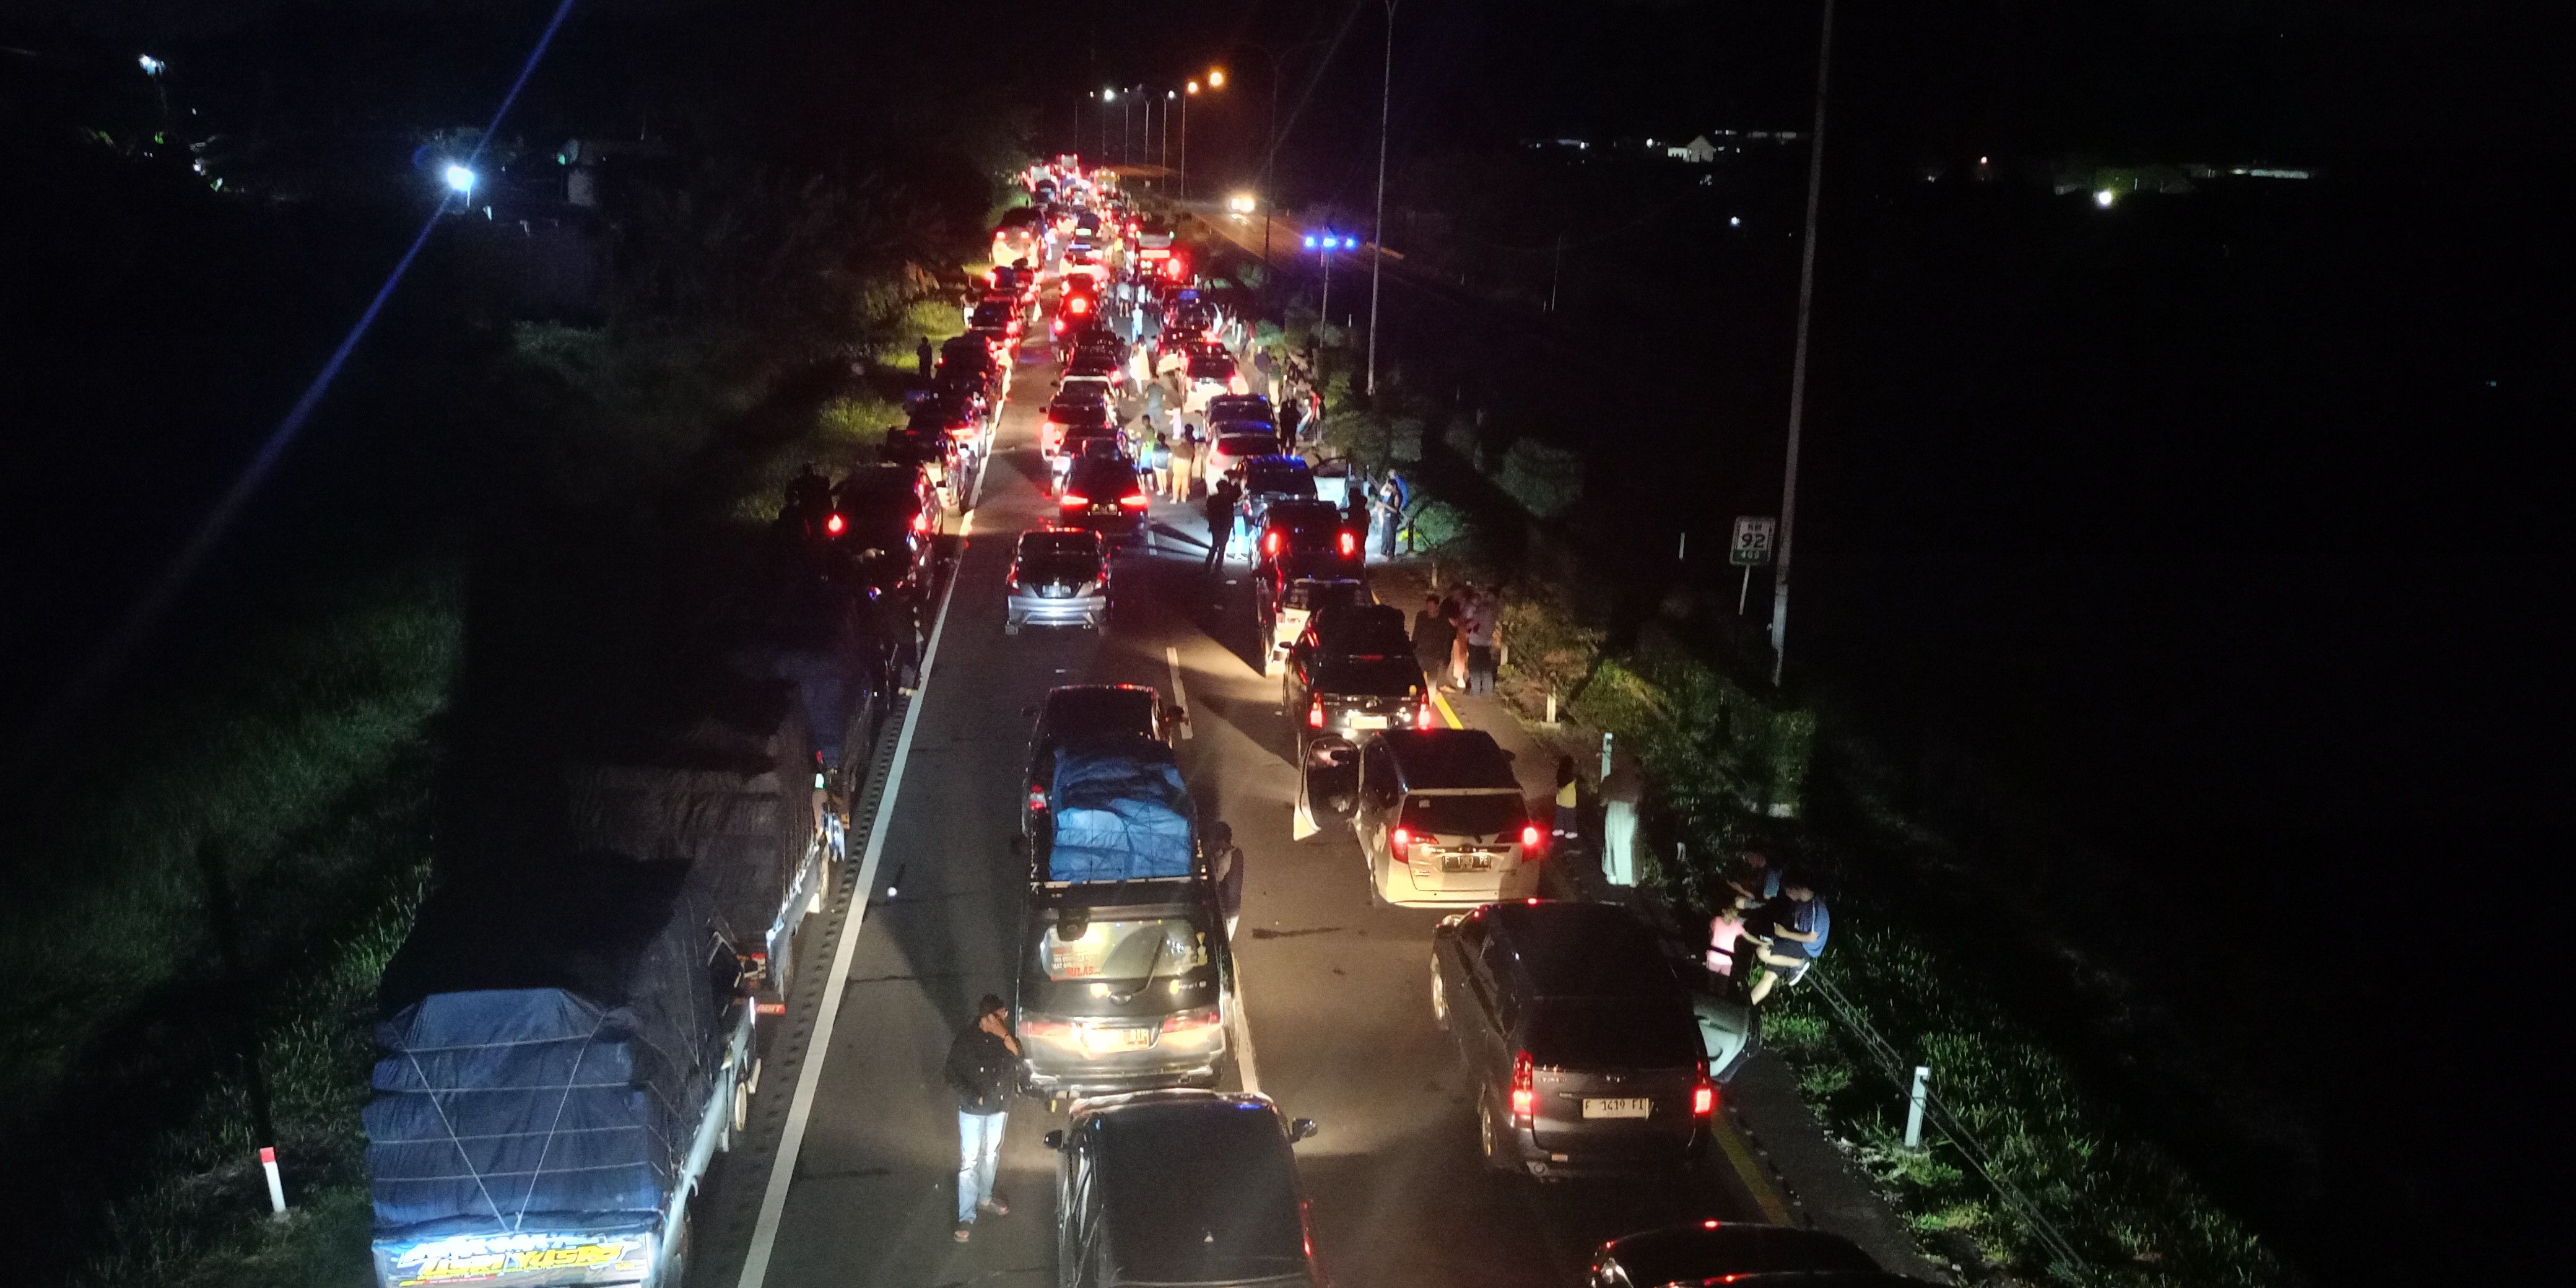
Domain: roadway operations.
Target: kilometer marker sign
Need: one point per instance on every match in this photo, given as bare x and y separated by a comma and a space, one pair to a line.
1752, 544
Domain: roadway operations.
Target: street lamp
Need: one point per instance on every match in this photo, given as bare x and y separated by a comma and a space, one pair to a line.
461, 180
1168, 97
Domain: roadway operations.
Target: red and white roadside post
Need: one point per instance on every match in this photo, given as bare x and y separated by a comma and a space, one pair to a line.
276, 1186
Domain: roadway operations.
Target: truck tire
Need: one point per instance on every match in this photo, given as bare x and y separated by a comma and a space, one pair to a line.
741, 1116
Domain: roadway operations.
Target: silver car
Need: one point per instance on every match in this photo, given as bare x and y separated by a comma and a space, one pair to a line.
1059, 577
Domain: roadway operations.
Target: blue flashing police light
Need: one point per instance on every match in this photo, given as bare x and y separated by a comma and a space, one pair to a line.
1310, 243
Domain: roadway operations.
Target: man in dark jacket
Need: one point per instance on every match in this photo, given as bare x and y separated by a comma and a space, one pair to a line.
1220, 520
984, 1071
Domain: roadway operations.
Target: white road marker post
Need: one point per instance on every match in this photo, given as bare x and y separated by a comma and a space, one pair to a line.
1551, 708
1605, 753
276, 1185
1914, 1106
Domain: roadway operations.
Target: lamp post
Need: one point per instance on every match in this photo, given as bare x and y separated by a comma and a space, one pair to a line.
1377, 226
1106, 97
1798, 364
1168, 97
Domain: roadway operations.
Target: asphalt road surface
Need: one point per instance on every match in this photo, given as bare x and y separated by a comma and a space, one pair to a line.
1335, 992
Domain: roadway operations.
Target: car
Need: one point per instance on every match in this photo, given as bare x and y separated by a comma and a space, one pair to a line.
1577, 1036
1267, 480
1070, 410
1283, 607
1102, 493
1092, 362
1122, 986
993, 313
998, 340
1308, 534
1058, 577
887, 516
1074, 309
1242, 407
1181, 1189
1225, 451
1441, 821
1729, 1252
1074, 712
1352, 673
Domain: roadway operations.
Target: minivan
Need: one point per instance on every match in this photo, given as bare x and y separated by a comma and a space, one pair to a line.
1181, 1189
1578, 1038
1441, 820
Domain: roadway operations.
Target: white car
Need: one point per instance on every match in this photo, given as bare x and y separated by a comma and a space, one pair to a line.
1230, 450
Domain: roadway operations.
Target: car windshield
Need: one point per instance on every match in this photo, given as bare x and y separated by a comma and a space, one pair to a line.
1612, 1034
1487, 815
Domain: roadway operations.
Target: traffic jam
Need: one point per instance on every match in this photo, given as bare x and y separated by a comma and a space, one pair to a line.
1164, 517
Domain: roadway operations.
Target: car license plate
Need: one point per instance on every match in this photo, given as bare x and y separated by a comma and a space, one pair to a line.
1124, 1039
1617, 1107
1104, 507
1466, 862
1055, 592
1368, 722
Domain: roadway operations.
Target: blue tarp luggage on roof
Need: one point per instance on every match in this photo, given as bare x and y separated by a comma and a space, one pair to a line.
1121, 813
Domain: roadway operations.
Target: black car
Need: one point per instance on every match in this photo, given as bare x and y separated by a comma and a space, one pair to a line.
1101, 492
1242, 407
1687, 1256
1578, 1038
1266, 479
888, 515
1072, 712
1353, 673
1181, 1189
1294, 528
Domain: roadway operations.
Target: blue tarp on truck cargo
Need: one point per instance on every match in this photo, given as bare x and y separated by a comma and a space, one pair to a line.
1121, 813
553, 1039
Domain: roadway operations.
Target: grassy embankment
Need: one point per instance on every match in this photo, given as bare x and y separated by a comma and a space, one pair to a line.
1731, 767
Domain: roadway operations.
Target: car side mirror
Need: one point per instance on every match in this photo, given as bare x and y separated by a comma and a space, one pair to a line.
1054, 1140
1301, 1128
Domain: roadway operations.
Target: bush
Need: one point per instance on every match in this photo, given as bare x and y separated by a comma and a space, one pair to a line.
1550, 652
1547, 481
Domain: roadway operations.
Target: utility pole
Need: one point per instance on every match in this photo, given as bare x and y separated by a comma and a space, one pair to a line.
1168, 96
1377, 227
1556, 274
1185, 139
1798, 364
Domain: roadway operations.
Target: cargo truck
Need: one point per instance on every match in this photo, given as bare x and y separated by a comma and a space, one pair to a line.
570, 1036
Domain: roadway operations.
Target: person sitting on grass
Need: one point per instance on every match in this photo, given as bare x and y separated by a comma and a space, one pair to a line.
1790, 933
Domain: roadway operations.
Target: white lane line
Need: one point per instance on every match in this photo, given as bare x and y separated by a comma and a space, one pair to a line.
1243, 1061
800, 1110
1180, 695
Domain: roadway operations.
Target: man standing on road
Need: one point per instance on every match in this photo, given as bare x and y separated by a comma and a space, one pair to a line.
1432, 634
1220, 521
984, 1070
1621, 793
921, 355
1483, 608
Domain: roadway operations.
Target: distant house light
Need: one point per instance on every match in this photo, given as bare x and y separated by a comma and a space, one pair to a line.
2103, 197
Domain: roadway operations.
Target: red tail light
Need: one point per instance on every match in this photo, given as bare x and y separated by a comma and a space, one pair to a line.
835, 524
1422, 715
1524, 1087
1133, 500
1037, 795
921, 522
1032, 1027
1529, 836
1075, 501
1703, 1097
1191, 1021
1350, 543
1270, 543
1077, 306
1315, 715
1400, 840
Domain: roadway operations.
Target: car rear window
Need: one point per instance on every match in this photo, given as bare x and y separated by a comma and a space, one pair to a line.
1211, 368
1043, 545
1375, 676
1612, 1035
1050, 568
1497, 814
1240, 445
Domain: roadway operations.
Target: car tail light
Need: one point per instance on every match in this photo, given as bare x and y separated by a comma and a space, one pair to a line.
1400, 840
1703, 1096
921, 522
1315, 715
1077, 306
1270, 543
1350, 543
1133, 500
1529, 836
1422, 715
1195, 1020
1031, 1027
834, 524
1037, 796
1075, 501
1524, 1087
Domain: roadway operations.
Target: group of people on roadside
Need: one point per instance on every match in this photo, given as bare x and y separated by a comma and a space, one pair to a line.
1774, 918
1454, 637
